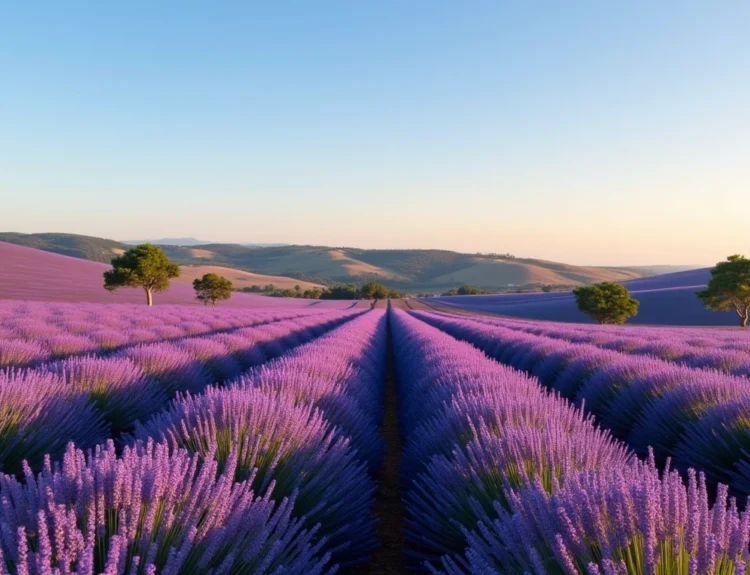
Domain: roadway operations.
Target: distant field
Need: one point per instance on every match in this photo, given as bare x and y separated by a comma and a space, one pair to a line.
484, 272
35, 275
241, 278
668, 299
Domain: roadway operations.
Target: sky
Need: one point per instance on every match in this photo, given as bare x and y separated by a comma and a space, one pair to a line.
603, 133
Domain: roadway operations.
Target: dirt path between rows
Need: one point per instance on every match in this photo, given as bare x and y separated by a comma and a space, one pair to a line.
388, 559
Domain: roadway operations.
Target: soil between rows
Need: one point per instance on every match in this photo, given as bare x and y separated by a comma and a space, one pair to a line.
388, 559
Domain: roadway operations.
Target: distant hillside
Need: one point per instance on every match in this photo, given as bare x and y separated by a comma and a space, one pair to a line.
667, 299
411, 270
661, 270
192, 242
242, 279
84, 247
684, 279
400, 269
34, 275
167, 242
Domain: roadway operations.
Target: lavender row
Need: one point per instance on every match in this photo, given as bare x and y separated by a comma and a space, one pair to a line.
278, 487
341, 374
306, 422
694, 336
727, 351
700, 418
474, 431
149, 511
28, 340
86, 400
530, 486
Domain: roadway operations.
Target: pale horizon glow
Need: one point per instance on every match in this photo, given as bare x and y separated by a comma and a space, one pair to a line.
586, 132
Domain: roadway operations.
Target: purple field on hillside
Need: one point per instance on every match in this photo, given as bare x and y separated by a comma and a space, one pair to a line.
668, 299
34, 275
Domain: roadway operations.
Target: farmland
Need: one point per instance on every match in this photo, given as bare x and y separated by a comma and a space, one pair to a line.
295, 437
667, 299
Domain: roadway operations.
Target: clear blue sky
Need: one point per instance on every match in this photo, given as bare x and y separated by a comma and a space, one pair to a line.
587, 132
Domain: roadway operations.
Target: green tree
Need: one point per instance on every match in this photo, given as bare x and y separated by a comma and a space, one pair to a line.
341, 292
467, 289
729, 288
145, 266
313, 293
211, 288
607, 303
374, 290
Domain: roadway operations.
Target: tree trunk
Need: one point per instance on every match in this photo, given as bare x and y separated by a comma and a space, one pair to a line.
149, 297
743, 313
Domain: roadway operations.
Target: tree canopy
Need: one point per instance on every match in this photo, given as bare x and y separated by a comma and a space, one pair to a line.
467, 289
607, 303
211, 288
341, 292
729, 288
373, 290
145, 266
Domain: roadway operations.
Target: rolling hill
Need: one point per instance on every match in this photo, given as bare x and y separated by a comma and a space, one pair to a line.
84, 247
34, 275
242, 279
408, 270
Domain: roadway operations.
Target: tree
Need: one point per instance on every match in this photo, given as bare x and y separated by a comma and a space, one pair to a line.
467, 289
729, 288
212, 288
374, 290
145, 266
607, 303
341, 292
313, 293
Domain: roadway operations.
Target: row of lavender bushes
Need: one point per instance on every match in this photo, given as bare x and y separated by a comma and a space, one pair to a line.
697, 417
32, 334
724, 350
503, 477
88, 399
269, 474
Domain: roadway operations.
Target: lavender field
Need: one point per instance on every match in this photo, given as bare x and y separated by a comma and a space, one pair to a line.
667, 299
184, 439
374, 288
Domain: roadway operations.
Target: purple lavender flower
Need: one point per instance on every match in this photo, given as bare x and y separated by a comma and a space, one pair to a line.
17, 353
282, 446
147, 511
117, 387
39, 415
624, 520
173, 368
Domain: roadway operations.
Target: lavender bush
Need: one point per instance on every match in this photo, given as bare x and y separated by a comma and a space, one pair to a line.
148, 511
